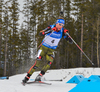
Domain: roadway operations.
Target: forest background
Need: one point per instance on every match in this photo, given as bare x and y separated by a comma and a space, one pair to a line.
19, 43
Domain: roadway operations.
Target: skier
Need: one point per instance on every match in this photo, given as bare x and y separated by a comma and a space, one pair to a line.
53, 34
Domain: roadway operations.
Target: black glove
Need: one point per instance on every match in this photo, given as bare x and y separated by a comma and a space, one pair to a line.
69, 39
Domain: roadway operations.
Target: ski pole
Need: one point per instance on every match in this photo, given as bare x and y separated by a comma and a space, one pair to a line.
80, 48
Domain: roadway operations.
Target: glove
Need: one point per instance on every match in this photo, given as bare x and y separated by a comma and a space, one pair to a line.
55, 29
65, 30
42, 33
70, 40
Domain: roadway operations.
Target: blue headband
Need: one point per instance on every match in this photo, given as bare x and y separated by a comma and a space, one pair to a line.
60, 21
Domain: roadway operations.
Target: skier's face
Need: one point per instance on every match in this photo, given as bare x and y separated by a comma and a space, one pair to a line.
59, 26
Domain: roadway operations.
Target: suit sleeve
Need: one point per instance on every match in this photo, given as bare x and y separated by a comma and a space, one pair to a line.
45, 31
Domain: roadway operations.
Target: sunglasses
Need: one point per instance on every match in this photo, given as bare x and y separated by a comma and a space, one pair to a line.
61, 24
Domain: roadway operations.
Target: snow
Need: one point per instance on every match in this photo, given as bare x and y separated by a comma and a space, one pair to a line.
14, 82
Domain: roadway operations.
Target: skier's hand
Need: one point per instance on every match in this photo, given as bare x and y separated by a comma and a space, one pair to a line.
42, 33
67, 36
66, 31
68, 39
54, 29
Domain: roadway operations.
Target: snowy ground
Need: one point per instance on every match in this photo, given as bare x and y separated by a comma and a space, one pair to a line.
14, 82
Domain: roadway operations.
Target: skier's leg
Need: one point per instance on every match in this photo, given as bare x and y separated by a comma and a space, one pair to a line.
36, 65
49, 59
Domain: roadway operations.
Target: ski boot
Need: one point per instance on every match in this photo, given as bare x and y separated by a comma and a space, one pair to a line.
24, 81
38, 78
27, 77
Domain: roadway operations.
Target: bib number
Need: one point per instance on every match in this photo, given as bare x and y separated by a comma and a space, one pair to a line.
52, 41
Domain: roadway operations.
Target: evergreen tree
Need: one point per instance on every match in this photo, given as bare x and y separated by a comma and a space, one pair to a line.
1, 5
40, 4
14, 35
33, 25
28, 31
5, 29
89, 10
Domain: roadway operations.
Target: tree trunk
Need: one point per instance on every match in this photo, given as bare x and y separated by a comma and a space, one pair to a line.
5, 55
6, 38
98, 42
81, 41
0, 26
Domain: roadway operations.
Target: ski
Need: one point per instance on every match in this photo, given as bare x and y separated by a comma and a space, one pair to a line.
38, 82
55, 80
49, 79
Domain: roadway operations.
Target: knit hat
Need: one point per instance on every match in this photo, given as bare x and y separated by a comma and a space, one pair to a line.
60, 21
